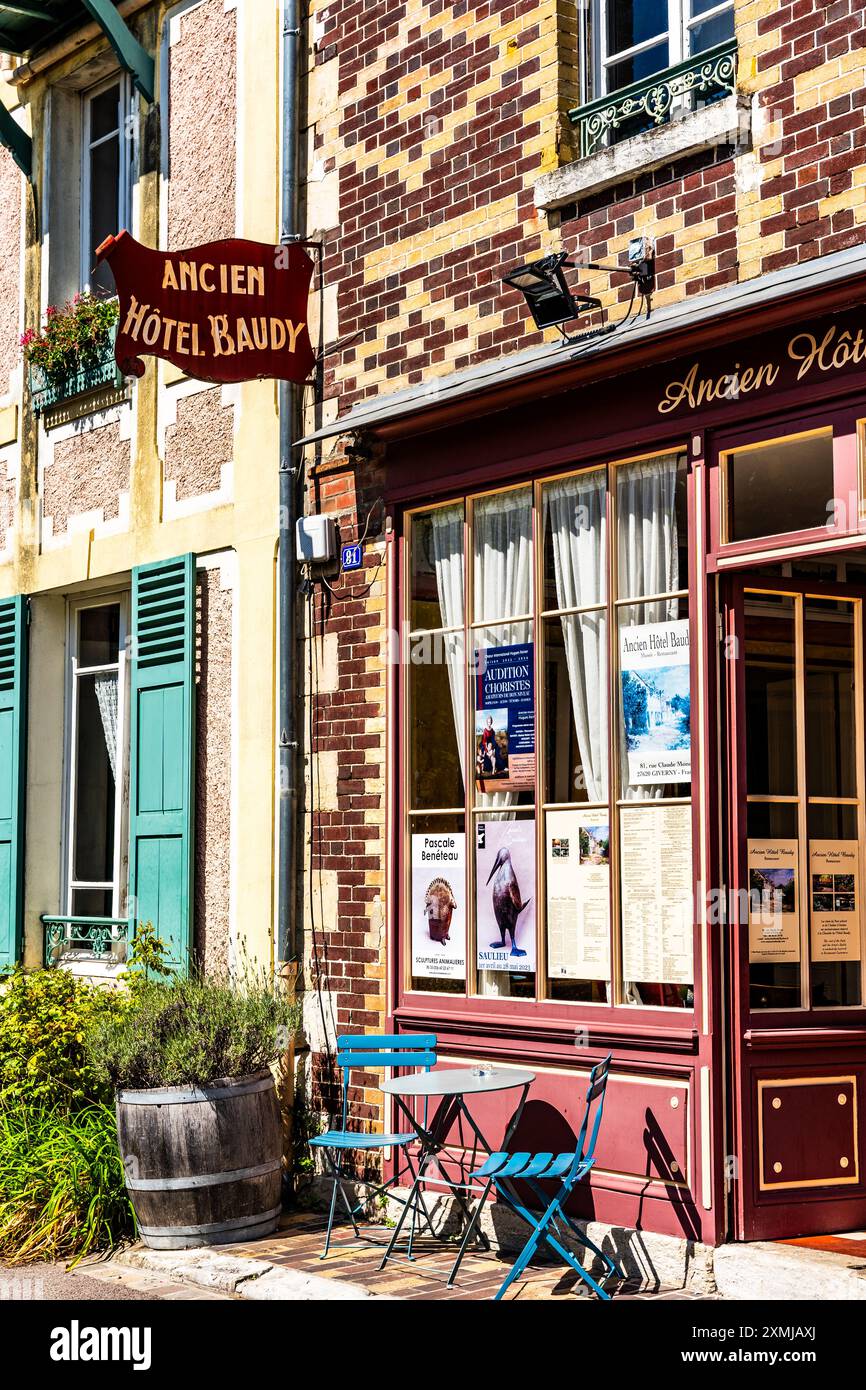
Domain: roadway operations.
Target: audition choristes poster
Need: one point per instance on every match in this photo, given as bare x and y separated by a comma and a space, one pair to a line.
505, 718
439, 906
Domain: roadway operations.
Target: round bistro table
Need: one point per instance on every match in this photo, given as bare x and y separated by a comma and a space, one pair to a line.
449, 1088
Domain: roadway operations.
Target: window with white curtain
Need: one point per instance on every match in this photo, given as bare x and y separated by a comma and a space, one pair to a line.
96, 759
533, 756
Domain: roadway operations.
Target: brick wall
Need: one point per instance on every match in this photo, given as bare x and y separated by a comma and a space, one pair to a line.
428, 127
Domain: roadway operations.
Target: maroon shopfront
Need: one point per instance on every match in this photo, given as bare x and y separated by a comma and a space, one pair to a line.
629, 589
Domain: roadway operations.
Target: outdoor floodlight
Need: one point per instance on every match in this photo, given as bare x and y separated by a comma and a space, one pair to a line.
542, 284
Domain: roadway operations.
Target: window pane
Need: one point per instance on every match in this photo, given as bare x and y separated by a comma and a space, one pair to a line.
631, 22
652, 526
657, 904
785, 485
96, 758
436, 568
504, 715
92, 902
635, 69
575, 541
831, 754
654, 702
104, 216
504, 856
709, 32
104, 113
437, 676
99, 635
772, 984
771, 725
502, 564
439, 908
576, 704
577, 869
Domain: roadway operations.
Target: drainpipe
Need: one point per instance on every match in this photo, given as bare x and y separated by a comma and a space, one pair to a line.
289, 497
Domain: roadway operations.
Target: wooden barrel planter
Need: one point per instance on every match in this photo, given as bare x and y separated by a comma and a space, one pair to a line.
203, 1162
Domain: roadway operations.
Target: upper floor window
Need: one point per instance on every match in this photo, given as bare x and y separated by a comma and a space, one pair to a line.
660, 56
104, 176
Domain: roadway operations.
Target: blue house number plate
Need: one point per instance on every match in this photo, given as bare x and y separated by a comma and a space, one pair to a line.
351, 556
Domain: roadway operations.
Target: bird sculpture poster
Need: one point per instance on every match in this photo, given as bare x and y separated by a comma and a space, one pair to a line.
439, 907
505, 895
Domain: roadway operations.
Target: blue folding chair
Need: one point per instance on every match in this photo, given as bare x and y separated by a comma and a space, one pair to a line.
412, 1051
504, 1169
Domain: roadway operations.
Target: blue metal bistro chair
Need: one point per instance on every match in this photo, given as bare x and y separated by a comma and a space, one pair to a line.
410, 1051
504, 1169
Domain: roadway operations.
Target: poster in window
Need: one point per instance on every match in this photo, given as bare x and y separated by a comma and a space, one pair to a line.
505, 718
834, 900
656, 702
656, 893
578, 895
505, 894
439, 906
774, 902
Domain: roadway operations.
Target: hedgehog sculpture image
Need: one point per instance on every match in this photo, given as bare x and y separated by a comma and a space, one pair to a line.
439, 904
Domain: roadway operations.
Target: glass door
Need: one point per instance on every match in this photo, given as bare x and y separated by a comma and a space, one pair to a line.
804, 799
796, 837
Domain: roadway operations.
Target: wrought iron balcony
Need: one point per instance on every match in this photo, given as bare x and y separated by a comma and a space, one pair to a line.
89, 938
650, 102
64, 386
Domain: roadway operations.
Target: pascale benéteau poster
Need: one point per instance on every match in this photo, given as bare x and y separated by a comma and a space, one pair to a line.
505, 894
656, 706
505, 718
439, 906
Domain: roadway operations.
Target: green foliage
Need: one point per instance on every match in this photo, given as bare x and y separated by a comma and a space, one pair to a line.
45, 1018
146, 959
193, 1031
73, 338
62, 1193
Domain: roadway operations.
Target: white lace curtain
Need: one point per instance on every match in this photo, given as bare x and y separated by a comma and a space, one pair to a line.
106, 698
575, 519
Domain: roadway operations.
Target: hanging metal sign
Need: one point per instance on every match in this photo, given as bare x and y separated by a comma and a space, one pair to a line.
230, 310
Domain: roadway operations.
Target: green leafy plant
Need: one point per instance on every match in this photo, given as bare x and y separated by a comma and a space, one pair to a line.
45, 1019
72, 339
146, 960
194, 1030
62, 1193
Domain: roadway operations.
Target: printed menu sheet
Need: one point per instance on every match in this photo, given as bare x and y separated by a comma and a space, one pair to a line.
834, 890
578, 895
656, 893
774, 907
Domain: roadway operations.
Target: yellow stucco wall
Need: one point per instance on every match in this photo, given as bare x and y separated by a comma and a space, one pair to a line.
247, 524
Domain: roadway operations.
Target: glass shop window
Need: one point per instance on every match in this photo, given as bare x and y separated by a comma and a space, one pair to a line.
548, 741
779, 486
96, 761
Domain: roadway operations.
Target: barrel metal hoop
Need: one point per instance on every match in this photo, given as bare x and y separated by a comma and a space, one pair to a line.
202, 1180
195, 1093
255, 1219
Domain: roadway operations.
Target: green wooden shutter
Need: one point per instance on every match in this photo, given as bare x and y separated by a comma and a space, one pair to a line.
13, 757
162, 730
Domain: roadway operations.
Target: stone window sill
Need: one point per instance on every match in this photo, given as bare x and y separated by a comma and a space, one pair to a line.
725, 122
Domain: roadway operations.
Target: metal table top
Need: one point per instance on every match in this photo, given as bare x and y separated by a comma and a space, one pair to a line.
456, 1081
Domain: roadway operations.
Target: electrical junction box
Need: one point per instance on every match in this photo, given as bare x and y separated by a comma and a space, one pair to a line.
316, 539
